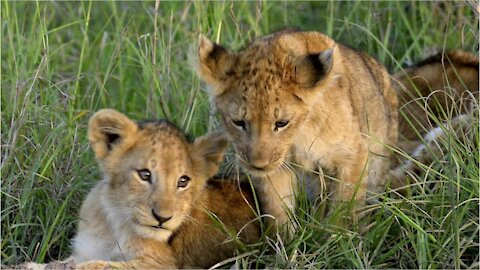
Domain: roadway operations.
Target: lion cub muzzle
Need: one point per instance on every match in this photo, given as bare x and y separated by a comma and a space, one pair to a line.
160, 219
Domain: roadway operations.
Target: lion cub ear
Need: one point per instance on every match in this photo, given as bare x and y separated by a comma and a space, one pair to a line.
214, 63
108, 129
313, 68
209, 149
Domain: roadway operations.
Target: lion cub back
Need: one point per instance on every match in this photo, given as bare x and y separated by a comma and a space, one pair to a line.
230, 207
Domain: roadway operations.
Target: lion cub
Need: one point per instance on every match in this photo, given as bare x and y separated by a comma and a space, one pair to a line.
443, 86
152, 208
302, 96
444, 82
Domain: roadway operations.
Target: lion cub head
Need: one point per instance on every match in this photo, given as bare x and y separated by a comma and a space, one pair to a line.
154, 173
265, 92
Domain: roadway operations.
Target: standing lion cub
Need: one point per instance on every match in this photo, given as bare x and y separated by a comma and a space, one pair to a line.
152, 209
301, 96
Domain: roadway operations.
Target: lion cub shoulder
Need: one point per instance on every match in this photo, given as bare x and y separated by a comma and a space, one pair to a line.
154, 207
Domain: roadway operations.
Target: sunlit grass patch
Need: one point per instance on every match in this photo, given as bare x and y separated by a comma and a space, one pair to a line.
62, 61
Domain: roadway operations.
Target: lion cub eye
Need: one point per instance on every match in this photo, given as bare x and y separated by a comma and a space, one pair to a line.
280, 124
183, 181
240, 123
145, 175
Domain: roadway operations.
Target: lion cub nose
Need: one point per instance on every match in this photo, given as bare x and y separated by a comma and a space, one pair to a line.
257, 161
160, 219
259, 164
258, 167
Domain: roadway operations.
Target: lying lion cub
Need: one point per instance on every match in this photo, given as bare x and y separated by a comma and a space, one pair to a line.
152, 209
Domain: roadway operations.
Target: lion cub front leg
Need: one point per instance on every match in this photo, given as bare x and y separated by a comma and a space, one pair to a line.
140, 263
277, 197
153, 257
99, 264
353, 182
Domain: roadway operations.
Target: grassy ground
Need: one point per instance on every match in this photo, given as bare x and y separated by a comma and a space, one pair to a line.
61, 61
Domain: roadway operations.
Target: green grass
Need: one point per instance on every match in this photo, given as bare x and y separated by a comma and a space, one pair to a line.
62, 61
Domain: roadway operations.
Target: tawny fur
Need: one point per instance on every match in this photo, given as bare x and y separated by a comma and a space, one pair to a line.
441, 83
445, 85
115, 226
339, 103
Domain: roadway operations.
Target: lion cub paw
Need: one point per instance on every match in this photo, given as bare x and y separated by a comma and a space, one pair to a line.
95, 265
